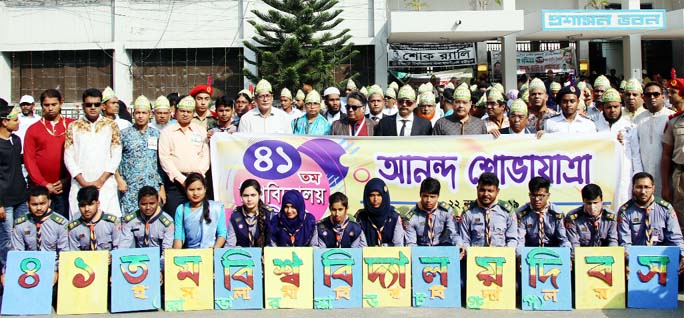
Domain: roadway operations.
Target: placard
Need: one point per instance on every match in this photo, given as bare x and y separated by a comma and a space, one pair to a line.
599, 277
83, 282
288, 277
387, 277
188, 279
653, 277
337, 278
490, 279
238, 278
28, 283
436, 276
135, 279
545, 278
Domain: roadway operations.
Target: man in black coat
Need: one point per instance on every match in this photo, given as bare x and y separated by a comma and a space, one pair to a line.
404, 122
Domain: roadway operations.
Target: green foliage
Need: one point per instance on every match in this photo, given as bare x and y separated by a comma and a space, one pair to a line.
295, 44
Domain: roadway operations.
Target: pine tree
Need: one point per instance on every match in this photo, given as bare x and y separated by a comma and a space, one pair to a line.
294, 44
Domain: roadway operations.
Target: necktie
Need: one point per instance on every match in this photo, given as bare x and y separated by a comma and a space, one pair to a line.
596, 238
431, 227
488, 234
38, 239
93, 238
647, 223
375, 119
402, 132
541, 229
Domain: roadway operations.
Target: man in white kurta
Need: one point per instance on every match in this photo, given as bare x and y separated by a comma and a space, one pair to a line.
92, 153
650, 126
621, 128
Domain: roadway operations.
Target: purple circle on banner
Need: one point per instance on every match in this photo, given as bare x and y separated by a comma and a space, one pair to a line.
272, 159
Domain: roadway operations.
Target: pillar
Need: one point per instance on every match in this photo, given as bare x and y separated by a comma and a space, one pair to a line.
6, 73
508, 59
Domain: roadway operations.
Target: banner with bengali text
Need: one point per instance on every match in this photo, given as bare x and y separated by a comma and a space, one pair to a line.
319, 166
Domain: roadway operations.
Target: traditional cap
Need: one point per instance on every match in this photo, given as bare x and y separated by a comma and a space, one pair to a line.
473, 88
326, 92
518, 105
525, 86
391, 93
162, 103
676, 83
375, 89
14, 113
286, 93
263, 86
633, 85
581, 85
611, 95
300, 94
499, 87
27, 99
482, 102
188, 102
602, 81
351, 85
364, 91
422, 88
495, 94
536, 83
429, 86
555, 86
107, 94
567, 90
427, 98
623, 84
407, 92
450, 85
201, 88
525, 96
394, 86
142, 103
462, 92
246, 92
313, 97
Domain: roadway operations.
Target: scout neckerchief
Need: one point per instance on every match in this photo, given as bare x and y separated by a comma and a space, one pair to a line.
292, 235
488, 216
148, 222
251, 221
541, 228
93, 238
39, 224
378, 231
647, 223
339, 230
430, 225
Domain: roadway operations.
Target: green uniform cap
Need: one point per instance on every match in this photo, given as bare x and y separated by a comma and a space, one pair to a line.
286, 93
263, 87
602, 81
313, 97
537, 84
555, 86
142, 102
107, 94
162, 103
519, 105
391, 93
427, 98
462, 92
300, 95
188, 102
633, 85
407, 92
611, 95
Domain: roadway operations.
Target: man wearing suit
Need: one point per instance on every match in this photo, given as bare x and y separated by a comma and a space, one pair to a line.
518, 120
356, 124
404, 123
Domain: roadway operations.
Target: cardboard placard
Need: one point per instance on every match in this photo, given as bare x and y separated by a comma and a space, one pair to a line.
288, 277
436, 276
238, 278
135, 279
188, 279
337, 278
83, 282
387, 277
653, 277
490, 278
599, 277
28, 283
545, 278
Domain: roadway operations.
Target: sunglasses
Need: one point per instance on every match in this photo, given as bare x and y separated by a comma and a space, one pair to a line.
406, 102
353, 107
652, 94
88, 105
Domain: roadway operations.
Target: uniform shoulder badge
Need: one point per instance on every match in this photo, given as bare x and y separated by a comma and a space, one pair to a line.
571, 217
165, 220
58, 219
626, 206
109, 218
443, 205
675, 115
663, 203
267, 208
610, 216
559, 215
73, 224
506, 206
130, 216
20, 220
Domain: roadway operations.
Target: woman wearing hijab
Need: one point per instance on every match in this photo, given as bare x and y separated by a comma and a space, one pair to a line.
294, 226
379, 220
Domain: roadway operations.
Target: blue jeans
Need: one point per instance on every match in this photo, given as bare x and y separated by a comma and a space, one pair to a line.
6, 226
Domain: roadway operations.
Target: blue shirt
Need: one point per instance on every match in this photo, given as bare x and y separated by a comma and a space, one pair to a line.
139, 165
194, 231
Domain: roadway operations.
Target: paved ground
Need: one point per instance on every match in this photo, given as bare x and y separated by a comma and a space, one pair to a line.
408, 313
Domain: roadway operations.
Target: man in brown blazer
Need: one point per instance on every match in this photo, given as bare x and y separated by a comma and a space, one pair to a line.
356, 124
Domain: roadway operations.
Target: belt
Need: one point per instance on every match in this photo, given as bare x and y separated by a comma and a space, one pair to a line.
678, 166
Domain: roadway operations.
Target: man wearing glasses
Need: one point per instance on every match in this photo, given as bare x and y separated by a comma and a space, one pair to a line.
540, 223
496, 112
650, 126
404, 123
356, 124
265, 118
460, 122
92, 153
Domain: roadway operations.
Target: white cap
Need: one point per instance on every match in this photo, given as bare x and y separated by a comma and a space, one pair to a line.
331, 90
27, 99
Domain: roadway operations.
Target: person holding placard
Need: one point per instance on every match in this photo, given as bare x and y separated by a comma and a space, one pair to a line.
199, 223
380, 221
249, 223
540, 222
294, 226
337, 230
591, 224
94, 230
149, 226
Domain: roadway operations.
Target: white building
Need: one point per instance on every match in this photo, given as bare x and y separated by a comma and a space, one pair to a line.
157, 47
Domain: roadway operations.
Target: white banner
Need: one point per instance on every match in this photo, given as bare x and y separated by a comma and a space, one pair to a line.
559, 61
431, 54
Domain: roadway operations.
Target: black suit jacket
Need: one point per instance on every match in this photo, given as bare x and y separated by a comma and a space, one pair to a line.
388, 126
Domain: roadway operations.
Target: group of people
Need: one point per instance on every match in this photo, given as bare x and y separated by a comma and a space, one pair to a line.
102, 182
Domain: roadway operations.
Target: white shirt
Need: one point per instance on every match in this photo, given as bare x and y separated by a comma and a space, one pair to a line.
24, 123
559, 124
378, 116
409, 124
122, 123
390, 111
649, 132
332, 118
276, 121
294, 113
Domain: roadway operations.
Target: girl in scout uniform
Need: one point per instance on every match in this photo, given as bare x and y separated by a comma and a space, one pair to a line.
249, 223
